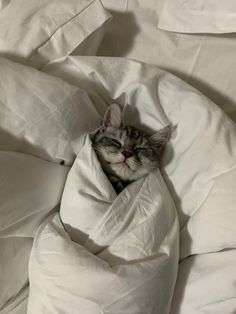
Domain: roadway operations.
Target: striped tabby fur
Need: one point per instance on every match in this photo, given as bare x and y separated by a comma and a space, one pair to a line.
125, 153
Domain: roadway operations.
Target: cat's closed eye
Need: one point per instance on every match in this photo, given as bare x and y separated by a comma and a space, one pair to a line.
111, 141
143, 151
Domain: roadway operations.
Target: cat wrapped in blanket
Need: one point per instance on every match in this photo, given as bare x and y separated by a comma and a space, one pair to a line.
125, 153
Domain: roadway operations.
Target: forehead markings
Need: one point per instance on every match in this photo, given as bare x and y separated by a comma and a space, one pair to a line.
132, 132
133, 137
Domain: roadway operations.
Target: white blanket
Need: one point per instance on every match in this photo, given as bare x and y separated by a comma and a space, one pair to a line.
124, 260
128, 264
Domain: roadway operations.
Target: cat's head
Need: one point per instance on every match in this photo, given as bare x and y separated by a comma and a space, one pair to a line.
124, 151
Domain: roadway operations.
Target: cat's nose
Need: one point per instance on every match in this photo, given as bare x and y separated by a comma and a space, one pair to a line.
127, 153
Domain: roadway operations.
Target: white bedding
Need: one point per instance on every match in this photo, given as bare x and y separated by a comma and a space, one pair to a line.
200, 16
194, 177
191, 175
46, 30
105, 253
127, 263
205, 60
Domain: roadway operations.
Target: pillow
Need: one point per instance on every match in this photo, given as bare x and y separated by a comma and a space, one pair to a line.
45, 30
30, 189
206, 284
199, 16
42, 115
15, 252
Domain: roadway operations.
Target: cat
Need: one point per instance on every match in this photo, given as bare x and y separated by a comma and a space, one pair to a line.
125, 153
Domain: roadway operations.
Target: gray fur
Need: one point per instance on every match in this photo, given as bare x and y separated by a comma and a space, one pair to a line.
125, 153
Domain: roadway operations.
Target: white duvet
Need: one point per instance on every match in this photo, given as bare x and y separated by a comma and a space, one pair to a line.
104, 253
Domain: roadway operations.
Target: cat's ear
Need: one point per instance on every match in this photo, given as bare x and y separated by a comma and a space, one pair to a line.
159, 140
113, 116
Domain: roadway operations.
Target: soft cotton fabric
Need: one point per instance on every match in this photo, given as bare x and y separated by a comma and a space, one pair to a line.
199, 16
30, 189
205, 61
35, 32
135, 265
206, 284
198, 166
42, 115
200, 160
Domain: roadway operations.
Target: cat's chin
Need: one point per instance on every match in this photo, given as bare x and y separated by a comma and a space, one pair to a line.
122, 170
120, 166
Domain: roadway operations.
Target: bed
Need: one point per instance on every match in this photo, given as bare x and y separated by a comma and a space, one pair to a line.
70, 244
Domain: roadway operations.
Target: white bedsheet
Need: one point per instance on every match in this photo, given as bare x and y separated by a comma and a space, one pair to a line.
206, 284
206, 61
199, 16
42, 124
46, 30
202, 185
41, 115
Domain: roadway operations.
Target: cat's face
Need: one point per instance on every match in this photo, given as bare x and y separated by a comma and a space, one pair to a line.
125, 152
